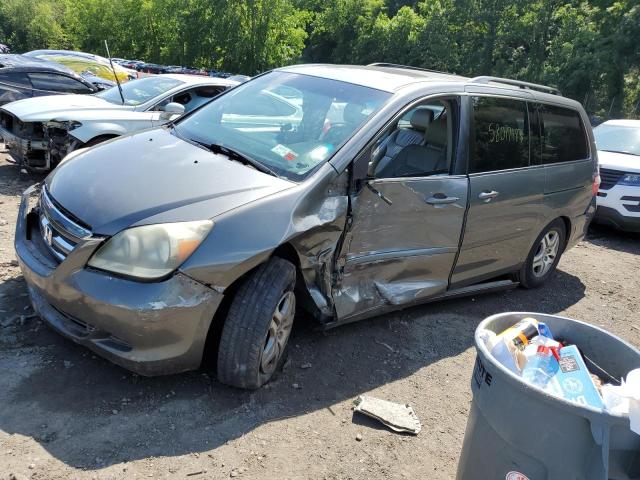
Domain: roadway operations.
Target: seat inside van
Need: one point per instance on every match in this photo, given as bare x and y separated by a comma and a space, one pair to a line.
422, 149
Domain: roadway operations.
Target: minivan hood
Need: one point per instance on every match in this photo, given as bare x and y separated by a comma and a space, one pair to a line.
41, 109
153, 177
619, 161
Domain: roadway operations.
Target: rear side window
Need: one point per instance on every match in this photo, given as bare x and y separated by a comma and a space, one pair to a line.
15, 79
500, 138
563, 136
54, 82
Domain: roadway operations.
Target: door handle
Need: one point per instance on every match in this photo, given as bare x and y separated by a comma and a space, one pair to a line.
487, 196
441, 199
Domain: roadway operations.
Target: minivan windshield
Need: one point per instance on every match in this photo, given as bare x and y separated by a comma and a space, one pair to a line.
139, 91
288, 123
618, 138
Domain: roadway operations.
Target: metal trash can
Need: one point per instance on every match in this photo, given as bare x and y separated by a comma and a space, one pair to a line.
518, 432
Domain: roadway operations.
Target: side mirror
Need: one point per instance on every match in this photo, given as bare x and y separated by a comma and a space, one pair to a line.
371, 170
360, 172
376, 155
171, 109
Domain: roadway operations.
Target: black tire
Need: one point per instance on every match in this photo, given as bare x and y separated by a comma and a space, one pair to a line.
533, 276
249, 326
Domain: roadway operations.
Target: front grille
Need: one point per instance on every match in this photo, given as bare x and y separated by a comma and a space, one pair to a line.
60, 233
608, 178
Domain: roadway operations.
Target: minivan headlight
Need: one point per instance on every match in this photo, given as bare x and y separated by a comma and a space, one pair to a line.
630, 179
151, 251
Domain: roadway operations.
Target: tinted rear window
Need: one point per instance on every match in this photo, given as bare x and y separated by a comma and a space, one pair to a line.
500, 135
563, 135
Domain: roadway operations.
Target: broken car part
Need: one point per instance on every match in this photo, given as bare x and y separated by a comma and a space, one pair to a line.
398, 417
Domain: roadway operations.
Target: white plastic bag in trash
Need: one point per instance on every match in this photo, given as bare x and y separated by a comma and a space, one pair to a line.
633, 393
625, 399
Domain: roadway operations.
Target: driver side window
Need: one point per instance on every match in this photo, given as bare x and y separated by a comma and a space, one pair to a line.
183, 98
419, 144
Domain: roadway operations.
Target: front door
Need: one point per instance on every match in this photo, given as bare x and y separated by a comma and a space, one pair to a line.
406, 222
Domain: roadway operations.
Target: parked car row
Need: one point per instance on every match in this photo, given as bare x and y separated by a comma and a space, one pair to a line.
53, 65
146, 67
48, 72
155, 68
40, 132
347, 191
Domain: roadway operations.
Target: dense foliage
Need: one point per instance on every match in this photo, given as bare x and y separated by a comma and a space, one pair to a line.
589, 48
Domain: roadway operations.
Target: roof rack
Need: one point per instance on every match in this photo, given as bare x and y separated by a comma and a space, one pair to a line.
407, 67
516, 83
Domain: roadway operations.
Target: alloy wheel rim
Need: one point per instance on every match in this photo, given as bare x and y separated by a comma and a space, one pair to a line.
278, 333
546, 253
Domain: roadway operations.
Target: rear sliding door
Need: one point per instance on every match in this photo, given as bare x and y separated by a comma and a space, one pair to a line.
505, 190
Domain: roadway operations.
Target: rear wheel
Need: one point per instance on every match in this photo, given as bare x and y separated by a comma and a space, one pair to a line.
258, 325
544, 255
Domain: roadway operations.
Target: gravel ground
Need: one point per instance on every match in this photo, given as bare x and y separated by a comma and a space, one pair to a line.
65, 413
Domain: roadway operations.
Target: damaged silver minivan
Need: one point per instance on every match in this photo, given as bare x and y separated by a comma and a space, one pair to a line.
347, 191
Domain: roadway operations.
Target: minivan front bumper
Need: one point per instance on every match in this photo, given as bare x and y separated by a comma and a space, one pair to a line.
151, 328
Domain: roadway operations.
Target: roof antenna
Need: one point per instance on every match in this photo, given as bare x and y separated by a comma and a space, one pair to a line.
106, 45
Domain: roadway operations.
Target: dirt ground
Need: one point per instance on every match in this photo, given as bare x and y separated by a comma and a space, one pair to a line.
65, 413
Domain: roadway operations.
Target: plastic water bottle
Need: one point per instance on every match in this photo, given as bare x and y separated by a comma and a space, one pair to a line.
540, 367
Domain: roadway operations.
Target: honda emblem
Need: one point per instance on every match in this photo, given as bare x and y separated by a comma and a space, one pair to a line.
47, 233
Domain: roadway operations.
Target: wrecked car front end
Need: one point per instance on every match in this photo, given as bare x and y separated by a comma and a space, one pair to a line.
24, 140
149, 328
59, 140
153, 325
284, 200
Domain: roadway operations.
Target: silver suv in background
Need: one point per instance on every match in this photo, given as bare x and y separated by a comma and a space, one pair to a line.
379, 188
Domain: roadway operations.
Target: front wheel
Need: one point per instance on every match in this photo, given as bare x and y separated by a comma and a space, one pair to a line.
258, 326
544, 255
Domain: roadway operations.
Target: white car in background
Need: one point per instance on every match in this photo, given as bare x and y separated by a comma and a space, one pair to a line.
40, 132
618, 143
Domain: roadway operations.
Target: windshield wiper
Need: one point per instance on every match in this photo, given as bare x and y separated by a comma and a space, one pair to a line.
237, 156
623, 152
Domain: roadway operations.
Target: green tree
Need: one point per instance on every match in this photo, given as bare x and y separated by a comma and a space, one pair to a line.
32, 24
588, 48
